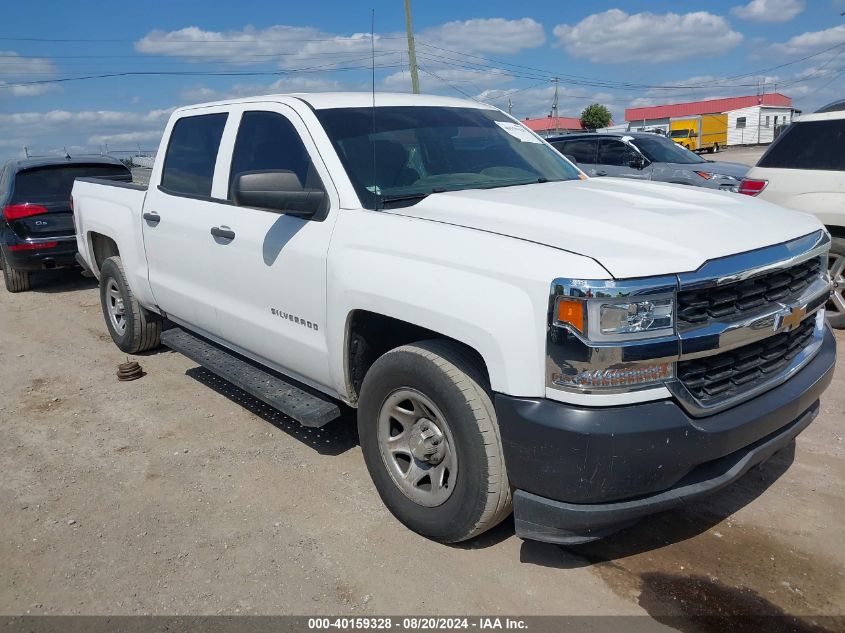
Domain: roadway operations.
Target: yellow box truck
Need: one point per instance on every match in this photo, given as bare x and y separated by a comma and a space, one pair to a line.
698, 133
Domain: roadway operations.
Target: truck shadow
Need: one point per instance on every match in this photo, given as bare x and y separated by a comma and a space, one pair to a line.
62, 280
335, 438
664, 529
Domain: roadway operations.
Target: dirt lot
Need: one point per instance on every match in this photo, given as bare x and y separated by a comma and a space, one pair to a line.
179, 494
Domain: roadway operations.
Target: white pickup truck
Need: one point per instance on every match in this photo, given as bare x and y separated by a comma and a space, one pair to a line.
514, 336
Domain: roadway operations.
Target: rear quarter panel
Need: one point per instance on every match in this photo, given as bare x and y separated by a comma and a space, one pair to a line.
115, 212
817, 192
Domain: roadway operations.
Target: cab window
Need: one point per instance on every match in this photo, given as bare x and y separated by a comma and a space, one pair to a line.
268, 141
612, 152
192, 154
582, 150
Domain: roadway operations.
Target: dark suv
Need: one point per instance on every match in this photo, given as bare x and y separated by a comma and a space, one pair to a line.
36, 224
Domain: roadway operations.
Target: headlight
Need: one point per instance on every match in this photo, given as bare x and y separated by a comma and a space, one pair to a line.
600, 319
708, 175
611, 336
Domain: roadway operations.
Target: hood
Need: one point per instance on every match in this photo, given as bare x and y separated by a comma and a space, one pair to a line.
631, 228
737, 170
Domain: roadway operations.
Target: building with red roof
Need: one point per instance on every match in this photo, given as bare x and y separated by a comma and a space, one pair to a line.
551, 125
752, 119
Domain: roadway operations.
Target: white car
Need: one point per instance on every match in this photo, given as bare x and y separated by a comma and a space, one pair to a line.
804, 169
513, 334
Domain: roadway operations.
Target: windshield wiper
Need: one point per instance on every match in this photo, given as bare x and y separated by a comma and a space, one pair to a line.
412, 198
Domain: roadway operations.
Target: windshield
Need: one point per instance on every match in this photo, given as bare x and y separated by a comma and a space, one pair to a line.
421, 150
679, 133
661, 150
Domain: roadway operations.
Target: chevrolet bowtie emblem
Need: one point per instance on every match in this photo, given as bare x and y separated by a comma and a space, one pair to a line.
790, 320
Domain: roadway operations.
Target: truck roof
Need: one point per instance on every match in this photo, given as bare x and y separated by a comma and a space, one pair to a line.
327, 100
19, 164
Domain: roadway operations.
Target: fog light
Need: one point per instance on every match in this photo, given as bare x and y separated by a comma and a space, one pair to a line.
621, 376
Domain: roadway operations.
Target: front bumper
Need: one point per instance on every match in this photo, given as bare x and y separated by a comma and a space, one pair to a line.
582, 473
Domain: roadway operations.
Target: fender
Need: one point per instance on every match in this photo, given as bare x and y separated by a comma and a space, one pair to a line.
478, 288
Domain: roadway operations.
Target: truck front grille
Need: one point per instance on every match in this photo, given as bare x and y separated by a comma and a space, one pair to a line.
729, 374
727, 302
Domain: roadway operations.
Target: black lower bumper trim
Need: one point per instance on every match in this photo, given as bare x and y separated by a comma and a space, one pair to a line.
541, 519
583, 472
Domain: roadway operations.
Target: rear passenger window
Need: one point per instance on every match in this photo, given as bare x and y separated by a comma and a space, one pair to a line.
192, 153
267, 142
584, 151
809, 145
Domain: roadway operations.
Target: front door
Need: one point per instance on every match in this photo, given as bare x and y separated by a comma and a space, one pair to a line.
615, 158
273, 269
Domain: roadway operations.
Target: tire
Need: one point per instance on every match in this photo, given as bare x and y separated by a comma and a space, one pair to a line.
476, 495
836, 305
16, 280
133, 328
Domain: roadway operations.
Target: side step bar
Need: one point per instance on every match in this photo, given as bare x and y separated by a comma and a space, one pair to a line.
303, 406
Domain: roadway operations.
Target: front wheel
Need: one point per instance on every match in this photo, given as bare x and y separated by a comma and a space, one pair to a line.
431, 442
836, 305
133, 328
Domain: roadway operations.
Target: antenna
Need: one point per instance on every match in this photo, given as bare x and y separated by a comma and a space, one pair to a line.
372, 137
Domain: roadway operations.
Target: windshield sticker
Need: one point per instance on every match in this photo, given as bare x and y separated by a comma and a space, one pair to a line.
518, 132
627, 139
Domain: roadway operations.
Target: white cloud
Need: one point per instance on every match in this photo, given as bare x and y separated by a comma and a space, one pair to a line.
125, 137
491, 35
293, 47
439, 79
82, 129
768, 10
812, 41
16, 71
615, 37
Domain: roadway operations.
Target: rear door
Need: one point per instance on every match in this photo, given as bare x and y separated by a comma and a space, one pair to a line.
179, 212
40, 198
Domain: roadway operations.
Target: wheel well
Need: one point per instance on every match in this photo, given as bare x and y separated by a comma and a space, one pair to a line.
102, 248
370, 335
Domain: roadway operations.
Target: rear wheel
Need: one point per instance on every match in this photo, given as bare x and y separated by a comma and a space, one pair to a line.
431, 442
836, 305
16, 280
133, 328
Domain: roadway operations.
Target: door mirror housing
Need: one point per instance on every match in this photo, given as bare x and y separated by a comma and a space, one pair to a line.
276, 190
570, 158
637, 161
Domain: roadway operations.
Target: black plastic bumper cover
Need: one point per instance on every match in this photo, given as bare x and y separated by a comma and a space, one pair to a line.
582, 473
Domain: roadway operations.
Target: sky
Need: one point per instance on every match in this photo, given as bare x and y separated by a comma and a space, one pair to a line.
89, 76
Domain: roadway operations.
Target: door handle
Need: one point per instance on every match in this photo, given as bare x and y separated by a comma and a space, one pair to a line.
223, 232
152, 217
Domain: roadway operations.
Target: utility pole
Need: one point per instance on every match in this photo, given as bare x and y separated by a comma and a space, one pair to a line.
412, 50
510, 106
25, 151
554, 108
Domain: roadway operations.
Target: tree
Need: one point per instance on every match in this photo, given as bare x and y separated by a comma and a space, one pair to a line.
595, 116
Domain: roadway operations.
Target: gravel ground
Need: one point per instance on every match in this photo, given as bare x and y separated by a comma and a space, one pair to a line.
179, 494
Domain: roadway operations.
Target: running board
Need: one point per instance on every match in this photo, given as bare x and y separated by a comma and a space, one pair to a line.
303, 406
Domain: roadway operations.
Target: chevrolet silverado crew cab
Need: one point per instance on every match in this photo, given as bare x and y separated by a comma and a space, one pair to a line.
514, 335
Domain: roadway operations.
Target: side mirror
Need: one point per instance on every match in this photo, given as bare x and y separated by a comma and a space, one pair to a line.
637, 161
570, 158
276, 190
